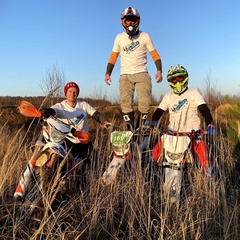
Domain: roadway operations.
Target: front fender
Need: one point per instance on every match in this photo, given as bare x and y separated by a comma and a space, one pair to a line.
56, 148
47, 151
175, 148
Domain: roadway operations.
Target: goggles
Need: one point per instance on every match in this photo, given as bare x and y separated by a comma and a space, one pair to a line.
130, 21
177, 79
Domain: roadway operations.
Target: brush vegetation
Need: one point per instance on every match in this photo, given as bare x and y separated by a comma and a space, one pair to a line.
134, 206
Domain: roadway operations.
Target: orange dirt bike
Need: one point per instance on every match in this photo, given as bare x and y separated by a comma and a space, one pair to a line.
173, 152
52, 168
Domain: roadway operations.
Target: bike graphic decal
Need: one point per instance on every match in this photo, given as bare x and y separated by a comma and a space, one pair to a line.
78, 119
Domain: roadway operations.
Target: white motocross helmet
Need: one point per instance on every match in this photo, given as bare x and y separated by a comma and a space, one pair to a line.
133, 15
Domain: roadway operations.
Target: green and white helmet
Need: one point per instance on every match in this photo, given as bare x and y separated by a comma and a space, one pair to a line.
178, 79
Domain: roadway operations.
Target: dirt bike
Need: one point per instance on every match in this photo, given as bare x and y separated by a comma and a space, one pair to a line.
173, 153
52, 168
124, 149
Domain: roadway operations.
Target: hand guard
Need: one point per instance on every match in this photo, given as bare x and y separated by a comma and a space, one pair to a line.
154, 124
211, 130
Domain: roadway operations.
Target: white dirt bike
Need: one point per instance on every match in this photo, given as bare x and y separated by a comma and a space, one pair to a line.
124, 149
52, 168
176, 154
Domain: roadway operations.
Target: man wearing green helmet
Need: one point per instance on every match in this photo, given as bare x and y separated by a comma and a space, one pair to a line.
184, 104
178, 79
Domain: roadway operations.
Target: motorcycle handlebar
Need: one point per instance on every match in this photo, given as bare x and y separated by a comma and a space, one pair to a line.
193, 134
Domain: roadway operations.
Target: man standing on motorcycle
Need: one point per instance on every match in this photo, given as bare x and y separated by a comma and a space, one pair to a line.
75, 113
133, 45
184, 104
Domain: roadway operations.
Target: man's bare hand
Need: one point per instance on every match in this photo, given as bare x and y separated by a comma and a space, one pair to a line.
158, 76
107, 79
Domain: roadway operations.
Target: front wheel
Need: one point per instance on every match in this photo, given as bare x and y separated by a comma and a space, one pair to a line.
33, 195
37, 188
172, 183
133, 164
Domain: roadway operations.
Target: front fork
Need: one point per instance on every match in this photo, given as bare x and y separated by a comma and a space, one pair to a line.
111, 172
172, 183
28, 170
173, 176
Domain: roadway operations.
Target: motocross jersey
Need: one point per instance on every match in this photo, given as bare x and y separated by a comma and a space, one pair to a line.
133, 52
183, 110
76, 116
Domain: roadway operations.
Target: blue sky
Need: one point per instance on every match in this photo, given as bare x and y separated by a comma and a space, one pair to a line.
77, 36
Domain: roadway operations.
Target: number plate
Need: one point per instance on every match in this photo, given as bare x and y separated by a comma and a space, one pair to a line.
121, 137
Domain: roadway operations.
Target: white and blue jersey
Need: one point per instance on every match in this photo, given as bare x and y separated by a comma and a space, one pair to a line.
183, 110
76, 116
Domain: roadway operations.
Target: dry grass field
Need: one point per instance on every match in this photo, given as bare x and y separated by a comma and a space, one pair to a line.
133, 207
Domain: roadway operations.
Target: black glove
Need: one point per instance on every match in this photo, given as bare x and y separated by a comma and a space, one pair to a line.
47, 112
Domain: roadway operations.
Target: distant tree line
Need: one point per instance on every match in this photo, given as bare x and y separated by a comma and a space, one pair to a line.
8, 101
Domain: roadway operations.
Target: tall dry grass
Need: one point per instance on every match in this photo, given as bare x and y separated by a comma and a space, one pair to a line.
133, 207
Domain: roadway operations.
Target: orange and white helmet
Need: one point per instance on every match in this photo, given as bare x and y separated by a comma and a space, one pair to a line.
133, 15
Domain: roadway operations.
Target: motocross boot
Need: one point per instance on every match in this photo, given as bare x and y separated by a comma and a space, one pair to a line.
142, 134
129, 120
141, 119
